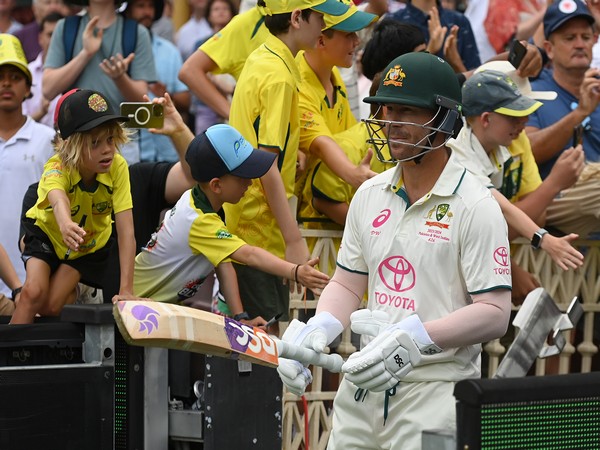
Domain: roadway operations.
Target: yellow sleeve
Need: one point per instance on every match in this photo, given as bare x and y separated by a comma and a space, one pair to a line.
210, 237
274, 115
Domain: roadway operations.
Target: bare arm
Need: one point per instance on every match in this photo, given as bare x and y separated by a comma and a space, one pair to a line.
194, 73
546, 142
7, 271
228, 284
336, 211
560, 249
72, 233
263, 260
126, 238
296, 249
563, 175
326, 149
58, 80
179, 178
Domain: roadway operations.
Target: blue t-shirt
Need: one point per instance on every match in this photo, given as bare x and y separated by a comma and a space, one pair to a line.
554, 110
467, 48
158, 147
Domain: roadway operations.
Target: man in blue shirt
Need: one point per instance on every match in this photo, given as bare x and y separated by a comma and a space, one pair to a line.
569, 37
417, 13
572, 119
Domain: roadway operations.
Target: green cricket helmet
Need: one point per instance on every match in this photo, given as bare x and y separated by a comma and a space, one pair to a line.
423, 80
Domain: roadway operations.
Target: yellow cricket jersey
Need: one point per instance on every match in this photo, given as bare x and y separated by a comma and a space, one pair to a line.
521, 174
322, 182
191, 241
112, 194
265, 111
317, 116
230, 47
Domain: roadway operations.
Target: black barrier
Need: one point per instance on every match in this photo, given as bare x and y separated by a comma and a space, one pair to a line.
546, 412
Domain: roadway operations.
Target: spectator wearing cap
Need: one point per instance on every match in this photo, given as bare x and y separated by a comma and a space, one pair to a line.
168, 62
265, 110
97, 61
518, 177
193, 238
573, 116
569, 38
68, 233
325, 111
496, 113
25, 145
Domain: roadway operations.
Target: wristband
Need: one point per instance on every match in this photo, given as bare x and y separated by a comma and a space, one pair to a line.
296, 273
242, 316
16, 292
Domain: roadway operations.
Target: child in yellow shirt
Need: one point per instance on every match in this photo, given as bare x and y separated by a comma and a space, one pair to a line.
68, 231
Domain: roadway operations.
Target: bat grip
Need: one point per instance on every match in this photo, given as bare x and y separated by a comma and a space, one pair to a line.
332, 362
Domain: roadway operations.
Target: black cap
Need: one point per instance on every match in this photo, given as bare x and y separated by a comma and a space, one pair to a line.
222, 150
81, 110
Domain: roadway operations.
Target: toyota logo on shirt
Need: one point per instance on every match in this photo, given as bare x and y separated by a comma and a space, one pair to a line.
501, 256
397, 274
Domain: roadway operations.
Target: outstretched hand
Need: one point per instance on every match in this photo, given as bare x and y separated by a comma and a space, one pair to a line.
312, 278
562, 252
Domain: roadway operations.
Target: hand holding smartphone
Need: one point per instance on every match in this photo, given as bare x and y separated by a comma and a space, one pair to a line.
517, 53
143, 114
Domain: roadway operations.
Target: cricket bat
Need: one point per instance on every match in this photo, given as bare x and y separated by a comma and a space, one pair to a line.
156, 324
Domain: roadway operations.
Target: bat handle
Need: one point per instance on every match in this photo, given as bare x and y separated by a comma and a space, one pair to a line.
332, 362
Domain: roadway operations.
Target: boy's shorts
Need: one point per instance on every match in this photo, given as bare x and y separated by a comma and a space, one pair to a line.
38, 245
263, 294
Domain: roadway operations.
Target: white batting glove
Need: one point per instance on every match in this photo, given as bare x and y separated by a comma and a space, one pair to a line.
385, 361
373, 322
316, 334
294, 375
369, 322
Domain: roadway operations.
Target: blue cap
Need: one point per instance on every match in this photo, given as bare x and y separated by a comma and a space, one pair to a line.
222, 150
560, 12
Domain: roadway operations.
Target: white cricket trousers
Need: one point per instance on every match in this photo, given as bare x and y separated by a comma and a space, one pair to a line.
358, 419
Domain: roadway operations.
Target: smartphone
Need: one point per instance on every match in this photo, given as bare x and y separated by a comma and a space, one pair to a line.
143, 115
517, 53
578, 135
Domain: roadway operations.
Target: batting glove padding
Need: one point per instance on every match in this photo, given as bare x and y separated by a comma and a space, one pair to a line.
316, 334
294, 375
384, 362
369, 322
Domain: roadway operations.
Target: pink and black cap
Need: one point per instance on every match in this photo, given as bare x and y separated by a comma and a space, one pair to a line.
82, 110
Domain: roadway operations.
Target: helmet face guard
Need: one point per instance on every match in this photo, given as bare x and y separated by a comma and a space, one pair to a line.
446, 120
